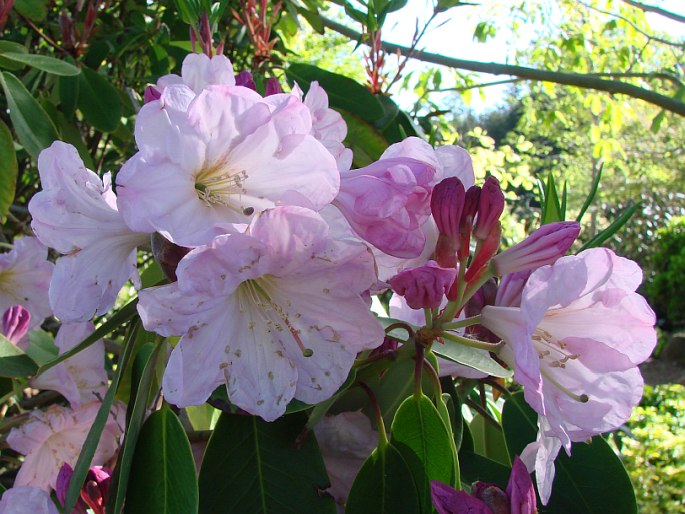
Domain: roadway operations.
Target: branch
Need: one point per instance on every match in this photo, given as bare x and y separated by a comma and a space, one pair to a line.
657, 10
557, 77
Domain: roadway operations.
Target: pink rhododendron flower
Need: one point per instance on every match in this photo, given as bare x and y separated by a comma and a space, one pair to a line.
27, 500
25, 275
387, 202
206, 172
51, 438
250, 307
76, 214
346, 440
82, 378
200, 71
575, 343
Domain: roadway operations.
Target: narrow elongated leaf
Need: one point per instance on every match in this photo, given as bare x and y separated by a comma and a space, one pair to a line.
471, 357
33, 126
120, 479
11, 46
593, 480
384, 485
420, 435
552, 205
343, 92
14, 362
8, 170
591, 194
43, 62
163, 471
95, 432
615, 226
98, 100
251, 466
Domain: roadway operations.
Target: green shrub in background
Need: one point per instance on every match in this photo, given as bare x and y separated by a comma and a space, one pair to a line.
654, 450
665, 290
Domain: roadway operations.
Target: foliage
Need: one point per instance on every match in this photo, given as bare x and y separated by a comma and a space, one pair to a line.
653, 449
668, 267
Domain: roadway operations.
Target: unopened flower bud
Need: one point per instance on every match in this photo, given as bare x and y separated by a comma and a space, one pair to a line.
151, 94
493, 496
15, 323
168, 255
490, 207
272, 87
245, 79
484, 252
447, 203
425, 286
544, 246
61, 487
206, 35
67, 28
468, 213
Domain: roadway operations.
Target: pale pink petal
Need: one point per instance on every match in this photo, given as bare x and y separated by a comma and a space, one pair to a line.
456, 162
27, 500
539, 457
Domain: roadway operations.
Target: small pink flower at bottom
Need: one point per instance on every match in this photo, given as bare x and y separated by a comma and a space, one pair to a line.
51, 438
274, 314
93, 493
27, 500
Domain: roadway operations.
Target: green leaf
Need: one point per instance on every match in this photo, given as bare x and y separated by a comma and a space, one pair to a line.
11, 46
13, 362
68, 95
98, 100
343, 92
593, 480
384, 485
163, 471
35, 10
488, 440
251, 466
420, 436
43, 62
95, 432
552, 206
33, 126
41, 346
476, 468
365, 141
468, 356
8, 170
591, 194
122, 471
615, 226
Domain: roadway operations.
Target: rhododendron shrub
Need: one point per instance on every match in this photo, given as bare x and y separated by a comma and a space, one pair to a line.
330, 328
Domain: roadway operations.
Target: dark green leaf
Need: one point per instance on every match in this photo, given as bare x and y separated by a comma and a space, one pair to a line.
593, 480
11, 46
95, 432
251, 466
120, 479
98, 100
43, 62
420, 435
35, 10
163, 471
476, 468
488, 440
68, 95
365, 141
471, 357
313, 19
384, 485
343, 93
615, 226
33, 126
8, 170
14, 362
591, 194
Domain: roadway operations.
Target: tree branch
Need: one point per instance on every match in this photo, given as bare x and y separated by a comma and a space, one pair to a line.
657, 10
557, 77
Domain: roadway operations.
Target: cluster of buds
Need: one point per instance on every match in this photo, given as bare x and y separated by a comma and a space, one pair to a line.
75, 36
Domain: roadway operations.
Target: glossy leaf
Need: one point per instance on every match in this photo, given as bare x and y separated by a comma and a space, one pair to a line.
44, 63
251, 466
420, 436
33, 126
11, 46
35, 10
476, 468
593, 480
384, 485
343, 93
471, 357
98, 100
365, 141
488, 440
8, 170
41, 347
68, 94
162, 476
14, 362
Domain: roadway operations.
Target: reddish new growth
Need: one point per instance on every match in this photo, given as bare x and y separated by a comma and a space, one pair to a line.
255, 17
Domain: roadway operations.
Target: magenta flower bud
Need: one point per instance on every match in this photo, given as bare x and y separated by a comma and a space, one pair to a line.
272, 87
468, 213
520, 489
167, 255
15, 323
425, 286
484, 252
493, 496
490, 207
544, 246
151, 94
93, 493
61, 487
448, 501
447, 204
245, 79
